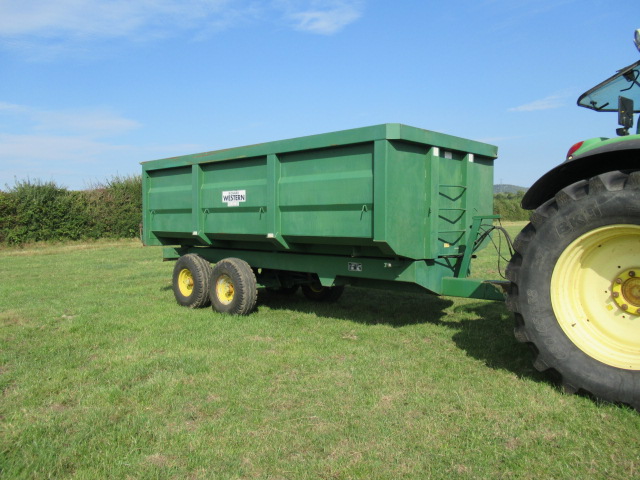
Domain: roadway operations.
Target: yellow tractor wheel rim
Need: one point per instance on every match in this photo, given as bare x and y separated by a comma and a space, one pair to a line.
594, 294
225, 289
185, 282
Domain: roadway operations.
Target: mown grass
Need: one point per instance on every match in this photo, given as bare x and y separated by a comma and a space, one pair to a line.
104, 376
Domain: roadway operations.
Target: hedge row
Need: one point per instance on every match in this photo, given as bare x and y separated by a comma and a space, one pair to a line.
508, 206
33, 211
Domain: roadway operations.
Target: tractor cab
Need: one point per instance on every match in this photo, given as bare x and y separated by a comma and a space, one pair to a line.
619, 93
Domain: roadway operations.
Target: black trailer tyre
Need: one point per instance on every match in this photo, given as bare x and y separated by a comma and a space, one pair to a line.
191, 281
318, 293
233, 287
575, 286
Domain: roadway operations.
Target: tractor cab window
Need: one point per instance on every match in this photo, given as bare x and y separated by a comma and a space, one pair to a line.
605, 96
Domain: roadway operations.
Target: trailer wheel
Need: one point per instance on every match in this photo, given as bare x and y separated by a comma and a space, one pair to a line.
233, 287
318, 293
575, 287
191, 281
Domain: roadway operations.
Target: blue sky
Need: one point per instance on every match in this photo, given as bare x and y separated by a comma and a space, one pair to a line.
91, 88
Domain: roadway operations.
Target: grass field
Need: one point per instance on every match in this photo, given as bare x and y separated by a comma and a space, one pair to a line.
103, 375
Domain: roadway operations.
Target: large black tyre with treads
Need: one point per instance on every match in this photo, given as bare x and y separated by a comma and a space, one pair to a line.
233, 287
191, 281
574, 289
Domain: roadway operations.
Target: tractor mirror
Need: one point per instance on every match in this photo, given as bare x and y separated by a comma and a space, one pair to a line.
636, 39
625, 115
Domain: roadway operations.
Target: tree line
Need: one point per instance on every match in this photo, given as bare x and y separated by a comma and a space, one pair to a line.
508, 206
34, 211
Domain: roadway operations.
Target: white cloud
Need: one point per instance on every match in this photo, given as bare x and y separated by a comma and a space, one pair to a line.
42, 149
86, 18
72, 159
89, 122
75, 146
44, 29
324, 17
32, 148
10, 107
74, 162
547, 103
35, 141
96, 123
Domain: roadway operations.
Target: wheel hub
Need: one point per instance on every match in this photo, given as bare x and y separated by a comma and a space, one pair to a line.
185, 282
626, 291
225, 290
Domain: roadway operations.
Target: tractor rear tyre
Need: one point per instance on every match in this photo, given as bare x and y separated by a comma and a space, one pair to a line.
233, 287
191, 280
575, 286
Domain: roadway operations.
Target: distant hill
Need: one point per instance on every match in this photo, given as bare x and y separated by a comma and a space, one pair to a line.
506, 188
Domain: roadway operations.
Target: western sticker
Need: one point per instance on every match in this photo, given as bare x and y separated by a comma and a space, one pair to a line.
233, 197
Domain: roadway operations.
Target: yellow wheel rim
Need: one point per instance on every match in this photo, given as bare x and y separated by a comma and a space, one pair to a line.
185, 282
592, 283
224, 289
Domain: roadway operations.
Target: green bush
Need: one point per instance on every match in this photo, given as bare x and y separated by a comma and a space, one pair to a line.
32, 211
508, 206
115, 208
40, 211
7, 214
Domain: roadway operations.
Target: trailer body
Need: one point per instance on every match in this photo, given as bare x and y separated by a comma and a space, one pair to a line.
388, 203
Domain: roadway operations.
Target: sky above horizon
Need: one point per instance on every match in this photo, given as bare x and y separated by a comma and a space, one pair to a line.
91, 88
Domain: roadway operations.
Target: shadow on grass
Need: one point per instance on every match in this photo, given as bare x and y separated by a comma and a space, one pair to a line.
486, 333
483, 329
370, 307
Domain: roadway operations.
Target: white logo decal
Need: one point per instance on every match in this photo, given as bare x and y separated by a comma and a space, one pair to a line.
234, 197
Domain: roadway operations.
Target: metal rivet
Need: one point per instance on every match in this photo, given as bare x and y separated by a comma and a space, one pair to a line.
615, 294
632, 273
624, 306
618, 281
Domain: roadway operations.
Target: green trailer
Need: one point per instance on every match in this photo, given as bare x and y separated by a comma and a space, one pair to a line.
387, 206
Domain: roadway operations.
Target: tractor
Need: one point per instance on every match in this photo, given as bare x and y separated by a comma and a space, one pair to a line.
575, 275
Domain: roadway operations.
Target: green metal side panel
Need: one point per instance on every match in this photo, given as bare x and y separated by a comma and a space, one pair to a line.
404, 188
249, 217
327, 194
168, 205
383, 191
